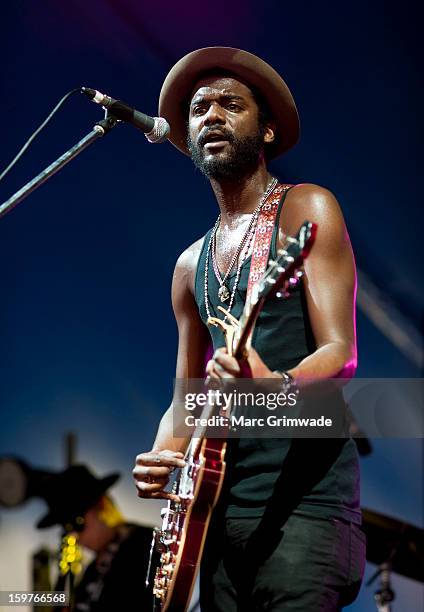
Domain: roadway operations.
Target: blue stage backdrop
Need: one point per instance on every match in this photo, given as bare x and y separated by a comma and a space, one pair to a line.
87, 336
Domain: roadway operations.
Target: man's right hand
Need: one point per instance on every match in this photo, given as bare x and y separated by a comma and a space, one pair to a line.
151, 473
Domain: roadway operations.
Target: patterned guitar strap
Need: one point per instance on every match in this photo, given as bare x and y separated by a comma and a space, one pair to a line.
263, 235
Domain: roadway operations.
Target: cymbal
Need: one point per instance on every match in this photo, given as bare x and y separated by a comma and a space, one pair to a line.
394, 541
18, 481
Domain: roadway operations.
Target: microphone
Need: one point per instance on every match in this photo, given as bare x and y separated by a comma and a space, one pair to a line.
156, 129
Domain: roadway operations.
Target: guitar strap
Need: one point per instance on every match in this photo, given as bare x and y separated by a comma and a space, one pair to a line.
263, 236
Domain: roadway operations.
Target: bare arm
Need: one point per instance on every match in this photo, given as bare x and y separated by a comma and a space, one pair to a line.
193, 342
193, 339
330, 284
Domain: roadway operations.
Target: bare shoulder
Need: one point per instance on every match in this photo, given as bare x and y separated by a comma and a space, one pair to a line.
312, 203
186, 265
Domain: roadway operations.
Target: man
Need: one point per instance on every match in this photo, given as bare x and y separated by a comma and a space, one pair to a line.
78, 501
288, 520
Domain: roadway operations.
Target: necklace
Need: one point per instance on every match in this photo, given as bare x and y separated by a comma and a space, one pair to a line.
223, 292
241, 253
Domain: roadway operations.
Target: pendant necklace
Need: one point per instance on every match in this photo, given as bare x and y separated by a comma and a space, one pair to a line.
223, 291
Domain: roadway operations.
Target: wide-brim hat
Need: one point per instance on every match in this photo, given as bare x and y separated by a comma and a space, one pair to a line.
178, 87
69, 494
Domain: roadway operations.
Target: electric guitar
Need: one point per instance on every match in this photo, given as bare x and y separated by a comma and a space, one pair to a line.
181, 539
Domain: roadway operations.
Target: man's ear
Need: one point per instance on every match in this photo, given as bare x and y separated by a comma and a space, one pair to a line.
269, 133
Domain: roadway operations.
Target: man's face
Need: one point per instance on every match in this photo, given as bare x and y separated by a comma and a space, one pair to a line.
224, 135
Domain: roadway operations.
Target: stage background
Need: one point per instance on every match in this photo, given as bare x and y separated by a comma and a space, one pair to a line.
87, 336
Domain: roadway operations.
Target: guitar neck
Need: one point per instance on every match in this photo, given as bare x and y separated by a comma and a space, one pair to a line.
245, 331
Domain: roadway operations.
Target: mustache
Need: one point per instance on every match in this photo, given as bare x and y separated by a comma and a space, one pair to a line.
224, 133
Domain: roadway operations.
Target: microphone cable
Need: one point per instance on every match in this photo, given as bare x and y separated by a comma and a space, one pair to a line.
37, 131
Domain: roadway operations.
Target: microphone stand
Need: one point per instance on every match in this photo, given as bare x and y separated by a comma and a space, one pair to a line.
100, 129
384, 595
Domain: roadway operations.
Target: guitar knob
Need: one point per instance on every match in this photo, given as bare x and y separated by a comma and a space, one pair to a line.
167, 558
282, 295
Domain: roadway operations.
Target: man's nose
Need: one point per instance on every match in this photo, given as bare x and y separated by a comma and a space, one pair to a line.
215, 114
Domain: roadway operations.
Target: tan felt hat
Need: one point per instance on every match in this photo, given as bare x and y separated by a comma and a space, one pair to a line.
179, 83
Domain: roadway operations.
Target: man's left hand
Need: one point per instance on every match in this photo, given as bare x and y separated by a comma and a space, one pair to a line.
222, 367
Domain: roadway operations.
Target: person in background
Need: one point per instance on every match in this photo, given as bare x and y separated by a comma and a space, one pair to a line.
115, 579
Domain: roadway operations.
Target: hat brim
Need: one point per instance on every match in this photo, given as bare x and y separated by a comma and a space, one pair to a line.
65, 515
179, 83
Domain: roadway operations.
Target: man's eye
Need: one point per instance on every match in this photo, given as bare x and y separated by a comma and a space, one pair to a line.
198, 110
232, 106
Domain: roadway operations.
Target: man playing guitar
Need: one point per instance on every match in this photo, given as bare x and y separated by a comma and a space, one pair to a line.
286, 531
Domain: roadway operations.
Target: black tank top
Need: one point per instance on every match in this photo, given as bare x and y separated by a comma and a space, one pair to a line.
317, 477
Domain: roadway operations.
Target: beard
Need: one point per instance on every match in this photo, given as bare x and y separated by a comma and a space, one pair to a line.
243, 156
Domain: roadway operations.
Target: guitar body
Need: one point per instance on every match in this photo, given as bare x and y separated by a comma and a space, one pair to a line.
185, 526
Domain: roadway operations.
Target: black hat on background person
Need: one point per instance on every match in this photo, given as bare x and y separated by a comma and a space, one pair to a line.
69, 494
